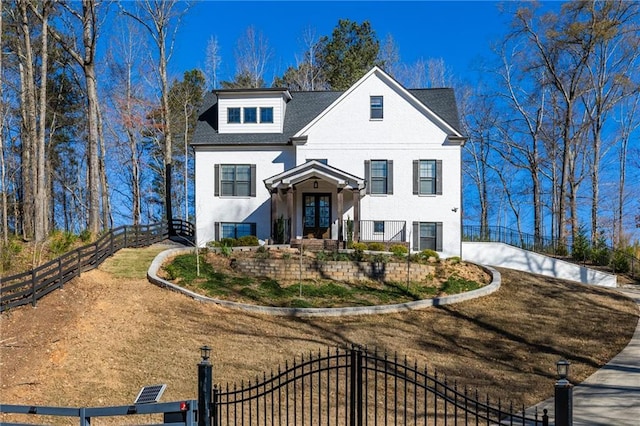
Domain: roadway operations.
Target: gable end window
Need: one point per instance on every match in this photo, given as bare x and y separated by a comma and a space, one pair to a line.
235, 180
376, 104
250, 115
266, 114
427, 235
233, 115
379, 176
427, 177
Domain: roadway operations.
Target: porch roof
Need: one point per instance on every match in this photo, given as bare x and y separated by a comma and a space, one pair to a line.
314, 169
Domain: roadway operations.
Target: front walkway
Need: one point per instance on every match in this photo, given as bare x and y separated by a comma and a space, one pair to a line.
611, 395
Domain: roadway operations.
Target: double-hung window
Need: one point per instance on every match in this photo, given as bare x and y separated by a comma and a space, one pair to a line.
376, 110
235, 180
427, 177
233, 115
379, 176
427, 235
266, 114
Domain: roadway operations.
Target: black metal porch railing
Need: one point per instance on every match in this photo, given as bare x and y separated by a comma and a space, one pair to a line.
385, 231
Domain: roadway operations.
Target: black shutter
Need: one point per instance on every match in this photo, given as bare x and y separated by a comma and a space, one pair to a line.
438, 236
367, 175
253, 180
439, 177
216, 172
216, 231
416, 177
416, 236
390, 177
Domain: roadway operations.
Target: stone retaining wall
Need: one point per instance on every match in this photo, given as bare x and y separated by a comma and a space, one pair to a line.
289, 270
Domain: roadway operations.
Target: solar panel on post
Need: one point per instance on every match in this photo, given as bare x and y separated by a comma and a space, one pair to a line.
150, 394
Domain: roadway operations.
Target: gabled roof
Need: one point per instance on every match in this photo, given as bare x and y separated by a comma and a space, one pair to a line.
303, 108
314, 169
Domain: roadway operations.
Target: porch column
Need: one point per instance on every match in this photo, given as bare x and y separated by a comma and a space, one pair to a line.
356, 215
340, 214
290, 210
274, 212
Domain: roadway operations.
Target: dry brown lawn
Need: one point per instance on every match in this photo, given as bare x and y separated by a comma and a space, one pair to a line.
103, 337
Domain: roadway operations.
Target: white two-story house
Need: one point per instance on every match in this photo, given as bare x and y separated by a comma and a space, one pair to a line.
377, 162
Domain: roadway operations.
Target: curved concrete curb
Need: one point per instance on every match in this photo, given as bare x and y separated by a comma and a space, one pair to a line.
152, 275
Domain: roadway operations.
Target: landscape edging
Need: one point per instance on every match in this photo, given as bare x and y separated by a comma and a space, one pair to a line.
152, 276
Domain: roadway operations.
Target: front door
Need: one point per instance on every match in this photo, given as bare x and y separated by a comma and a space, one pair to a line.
317, 216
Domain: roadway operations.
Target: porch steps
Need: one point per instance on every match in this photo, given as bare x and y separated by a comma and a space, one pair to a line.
315, 245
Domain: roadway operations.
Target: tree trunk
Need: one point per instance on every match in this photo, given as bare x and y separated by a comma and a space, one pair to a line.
3, 177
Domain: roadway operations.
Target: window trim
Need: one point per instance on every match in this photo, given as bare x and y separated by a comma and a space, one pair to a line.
244, 115
219, 229
218, 181
437, 178
235, 109
261, 117
438, 238
369, 178
375, 109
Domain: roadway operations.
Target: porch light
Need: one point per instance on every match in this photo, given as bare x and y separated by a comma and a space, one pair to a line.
562, 367
315, 184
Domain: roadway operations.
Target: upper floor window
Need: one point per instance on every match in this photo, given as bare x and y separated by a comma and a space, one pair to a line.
250, 115
235, 180
427, 177
266, 114
379, 176
376, 108
233, 115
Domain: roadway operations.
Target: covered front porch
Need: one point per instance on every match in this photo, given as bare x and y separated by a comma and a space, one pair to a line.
315, 201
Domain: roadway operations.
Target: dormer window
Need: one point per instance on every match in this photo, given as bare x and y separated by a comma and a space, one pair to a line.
266, 114
376, 108
251, 115
233, 115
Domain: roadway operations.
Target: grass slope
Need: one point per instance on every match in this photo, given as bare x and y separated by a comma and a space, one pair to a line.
103, 337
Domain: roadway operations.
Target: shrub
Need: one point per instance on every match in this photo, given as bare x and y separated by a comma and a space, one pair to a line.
620, 260
228, 242
85, 236
399, 250
454, 260
376, 246
580, 249
380, 258
247, 240
358, 251
601, 254
61, 242
263, 253
456, 284
8, 252
428, 253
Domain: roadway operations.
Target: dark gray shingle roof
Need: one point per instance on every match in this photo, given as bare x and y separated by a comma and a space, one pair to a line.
302, 109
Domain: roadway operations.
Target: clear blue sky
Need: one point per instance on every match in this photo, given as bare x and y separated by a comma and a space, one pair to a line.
460, 32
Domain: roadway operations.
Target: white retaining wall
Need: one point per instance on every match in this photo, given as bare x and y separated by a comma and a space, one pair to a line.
506, 256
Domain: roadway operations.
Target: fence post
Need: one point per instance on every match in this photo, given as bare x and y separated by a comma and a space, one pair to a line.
563, 401
61, 283
214, 405
205, 379
355, 395
33, 288
125, 236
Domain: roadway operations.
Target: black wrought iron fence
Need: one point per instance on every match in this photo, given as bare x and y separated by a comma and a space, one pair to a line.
357, 387
617, 260
29, 287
